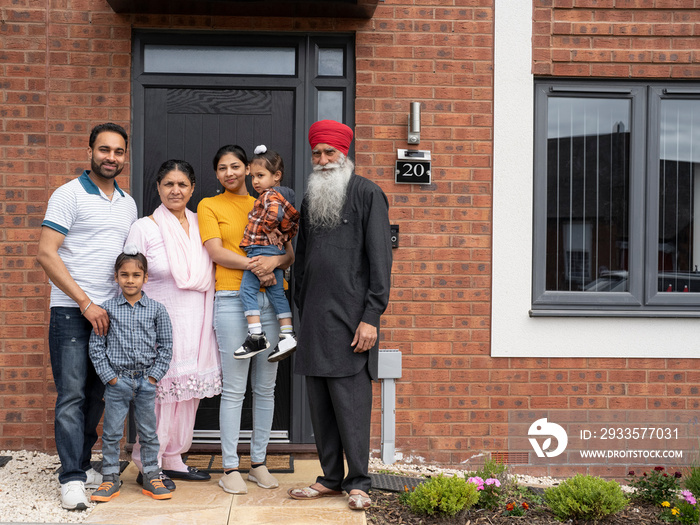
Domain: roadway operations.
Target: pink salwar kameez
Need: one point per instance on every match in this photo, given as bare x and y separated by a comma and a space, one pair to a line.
180, 275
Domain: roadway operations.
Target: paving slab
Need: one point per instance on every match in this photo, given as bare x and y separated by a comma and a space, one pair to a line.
205, 503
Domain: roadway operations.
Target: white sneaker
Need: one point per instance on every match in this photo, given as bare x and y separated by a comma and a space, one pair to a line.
287, 346
94, 479
73, 496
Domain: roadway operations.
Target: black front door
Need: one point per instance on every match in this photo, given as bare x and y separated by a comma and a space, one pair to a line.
194, 92
192, 124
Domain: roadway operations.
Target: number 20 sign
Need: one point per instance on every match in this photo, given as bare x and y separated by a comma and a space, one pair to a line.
413, 167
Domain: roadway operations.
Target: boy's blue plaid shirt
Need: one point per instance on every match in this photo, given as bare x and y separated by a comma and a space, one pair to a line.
140, 337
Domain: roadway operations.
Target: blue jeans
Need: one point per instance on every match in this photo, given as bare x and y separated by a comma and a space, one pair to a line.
79, 392
130, 386
231, 330
250, 286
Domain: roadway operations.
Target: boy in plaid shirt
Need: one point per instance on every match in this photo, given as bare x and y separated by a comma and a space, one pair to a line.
133, 356
273, 221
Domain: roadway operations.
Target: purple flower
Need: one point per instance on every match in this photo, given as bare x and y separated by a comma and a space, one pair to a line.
493, 481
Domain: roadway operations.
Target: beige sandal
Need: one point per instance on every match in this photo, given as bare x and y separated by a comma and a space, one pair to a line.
359, 502
309, 493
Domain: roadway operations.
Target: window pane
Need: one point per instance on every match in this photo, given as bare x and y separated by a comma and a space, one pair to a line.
330, 62
679, 193
330, 105
219, 60
587, 194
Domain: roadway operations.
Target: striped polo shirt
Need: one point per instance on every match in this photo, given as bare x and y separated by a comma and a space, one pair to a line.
95, 228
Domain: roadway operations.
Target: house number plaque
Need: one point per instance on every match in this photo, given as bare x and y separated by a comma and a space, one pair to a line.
413, 166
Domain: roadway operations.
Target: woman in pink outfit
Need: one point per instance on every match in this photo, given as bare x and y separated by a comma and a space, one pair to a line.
181, 276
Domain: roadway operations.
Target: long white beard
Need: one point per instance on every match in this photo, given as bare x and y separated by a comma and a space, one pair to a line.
326, 193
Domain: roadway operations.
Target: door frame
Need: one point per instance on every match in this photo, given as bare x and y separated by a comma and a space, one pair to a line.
306, 84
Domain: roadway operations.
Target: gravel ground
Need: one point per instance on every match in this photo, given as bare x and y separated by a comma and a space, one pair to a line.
417, 470
30, 492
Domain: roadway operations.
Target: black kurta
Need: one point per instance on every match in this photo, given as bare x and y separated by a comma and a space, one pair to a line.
342, 277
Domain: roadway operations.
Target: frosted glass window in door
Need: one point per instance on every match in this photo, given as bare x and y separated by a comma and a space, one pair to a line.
330, 105
330, 62
223, 60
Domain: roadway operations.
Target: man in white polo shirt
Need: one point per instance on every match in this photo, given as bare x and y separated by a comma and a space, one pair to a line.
87, 221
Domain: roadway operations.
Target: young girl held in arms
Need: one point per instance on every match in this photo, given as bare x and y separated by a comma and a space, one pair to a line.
271, 223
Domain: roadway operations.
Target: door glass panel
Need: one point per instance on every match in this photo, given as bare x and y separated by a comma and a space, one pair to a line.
330, 62
330, 105
218, 60
679, 193
587, 194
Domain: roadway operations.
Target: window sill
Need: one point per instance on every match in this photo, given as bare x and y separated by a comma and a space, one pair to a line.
615, 313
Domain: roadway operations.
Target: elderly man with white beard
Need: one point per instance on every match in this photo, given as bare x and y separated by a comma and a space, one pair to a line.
342, 277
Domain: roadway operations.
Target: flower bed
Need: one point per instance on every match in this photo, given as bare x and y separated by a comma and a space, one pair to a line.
657, 497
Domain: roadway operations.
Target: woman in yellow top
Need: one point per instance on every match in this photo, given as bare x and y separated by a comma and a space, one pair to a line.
222, 220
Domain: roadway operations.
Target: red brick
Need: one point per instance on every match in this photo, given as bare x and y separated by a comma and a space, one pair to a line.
634, 29
571, 15
627, 403
548, 402
610, 70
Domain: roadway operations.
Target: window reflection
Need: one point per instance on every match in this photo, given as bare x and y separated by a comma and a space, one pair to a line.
587, 194
679, 196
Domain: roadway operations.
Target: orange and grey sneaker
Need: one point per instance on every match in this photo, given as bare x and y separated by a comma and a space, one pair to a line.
108, 490
153, 486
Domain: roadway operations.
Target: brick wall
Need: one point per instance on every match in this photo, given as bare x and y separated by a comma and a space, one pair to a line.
617, 38
439, 313
67, 67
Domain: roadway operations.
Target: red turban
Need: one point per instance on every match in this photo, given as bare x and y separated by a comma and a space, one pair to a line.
332, 133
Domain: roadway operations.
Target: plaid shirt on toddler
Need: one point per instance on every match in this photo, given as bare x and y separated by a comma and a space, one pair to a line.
270, 211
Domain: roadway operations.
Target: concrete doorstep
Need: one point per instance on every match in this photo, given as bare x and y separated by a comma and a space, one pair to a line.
206, 503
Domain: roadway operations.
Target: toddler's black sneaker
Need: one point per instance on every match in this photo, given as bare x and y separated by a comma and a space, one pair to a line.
253, 344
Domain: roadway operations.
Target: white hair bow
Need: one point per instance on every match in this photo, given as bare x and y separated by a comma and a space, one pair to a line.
131, 249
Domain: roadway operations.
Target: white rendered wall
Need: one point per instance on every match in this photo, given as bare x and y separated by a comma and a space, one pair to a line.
513, 332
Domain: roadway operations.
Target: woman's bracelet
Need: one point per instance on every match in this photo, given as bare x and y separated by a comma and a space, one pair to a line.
88, 306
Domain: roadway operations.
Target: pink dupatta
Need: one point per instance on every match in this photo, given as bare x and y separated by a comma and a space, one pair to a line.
191, 267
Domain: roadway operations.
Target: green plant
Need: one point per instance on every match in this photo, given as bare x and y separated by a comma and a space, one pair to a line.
492, 469
488, 490
441, 495
692, 479
683, 510
514, 509
656, 486
526, 493
585, 497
